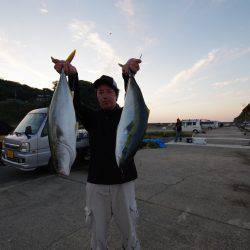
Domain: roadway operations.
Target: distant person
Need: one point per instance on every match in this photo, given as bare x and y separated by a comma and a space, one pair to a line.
178, 130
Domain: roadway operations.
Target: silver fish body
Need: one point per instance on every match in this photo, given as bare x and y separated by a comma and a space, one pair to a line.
132, 125
62, 128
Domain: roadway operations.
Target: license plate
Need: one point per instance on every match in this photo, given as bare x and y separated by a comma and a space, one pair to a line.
10, 153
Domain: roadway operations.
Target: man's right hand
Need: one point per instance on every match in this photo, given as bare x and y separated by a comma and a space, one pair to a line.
131, 65
66, 66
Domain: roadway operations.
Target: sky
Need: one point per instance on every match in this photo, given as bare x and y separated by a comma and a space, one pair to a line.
195, 53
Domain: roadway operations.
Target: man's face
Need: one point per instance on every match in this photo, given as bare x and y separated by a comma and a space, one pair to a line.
106, 97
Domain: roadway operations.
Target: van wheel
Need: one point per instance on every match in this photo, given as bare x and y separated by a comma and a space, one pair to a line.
195, 131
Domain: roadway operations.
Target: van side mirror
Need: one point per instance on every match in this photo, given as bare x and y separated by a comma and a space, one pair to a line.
28, 130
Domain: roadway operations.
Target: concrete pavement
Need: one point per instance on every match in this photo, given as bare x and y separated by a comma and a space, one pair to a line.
188, 197
228, 137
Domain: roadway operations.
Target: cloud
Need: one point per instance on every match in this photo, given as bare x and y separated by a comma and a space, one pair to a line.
230, 82
182, 86
234, 53
128, 10
232, 94
11, 57
183, 76
81, 28
184, 98
215, 56
146, 43
43, 9
149, 41
126, 6
84, 31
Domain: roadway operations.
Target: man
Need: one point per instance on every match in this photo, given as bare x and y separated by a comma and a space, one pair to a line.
178, 130
110, 192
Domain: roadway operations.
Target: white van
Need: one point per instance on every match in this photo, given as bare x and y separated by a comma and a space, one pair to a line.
27, 148
192, 125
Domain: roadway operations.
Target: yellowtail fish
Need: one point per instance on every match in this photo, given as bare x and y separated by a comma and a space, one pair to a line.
132, 125
62, 127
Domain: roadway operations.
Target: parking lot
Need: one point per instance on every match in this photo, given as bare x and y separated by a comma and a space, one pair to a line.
189, 197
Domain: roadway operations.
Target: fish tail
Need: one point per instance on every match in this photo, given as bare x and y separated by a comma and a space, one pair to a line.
71, 56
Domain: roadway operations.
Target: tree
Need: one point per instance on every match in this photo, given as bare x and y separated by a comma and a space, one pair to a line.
54, 83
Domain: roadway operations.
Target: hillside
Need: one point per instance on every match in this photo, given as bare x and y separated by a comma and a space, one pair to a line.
16, 99
10, 90
243, 116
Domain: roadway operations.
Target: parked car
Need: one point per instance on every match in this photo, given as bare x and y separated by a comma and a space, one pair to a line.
27, 148
207, 125
192, 125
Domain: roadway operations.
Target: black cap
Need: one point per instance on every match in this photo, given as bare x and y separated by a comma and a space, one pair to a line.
106, 80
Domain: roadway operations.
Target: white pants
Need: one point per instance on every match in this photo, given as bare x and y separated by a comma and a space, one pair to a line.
105, 201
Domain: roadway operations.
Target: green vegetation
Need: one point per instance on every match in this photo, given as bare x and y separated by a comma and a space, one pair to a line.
16, 91
243, 116
13, 111
16, 100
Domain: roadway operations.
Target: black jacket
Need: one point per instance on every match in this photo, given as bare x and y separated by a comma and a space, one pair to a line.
178, 126
101, 126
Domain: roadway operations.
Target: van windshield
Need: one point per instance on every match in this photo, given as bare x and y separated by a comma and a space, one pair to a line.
34, 120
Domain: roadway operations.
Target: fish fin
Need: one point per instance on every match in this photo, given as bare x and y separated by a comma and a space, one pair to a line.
71, 56
59, 132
